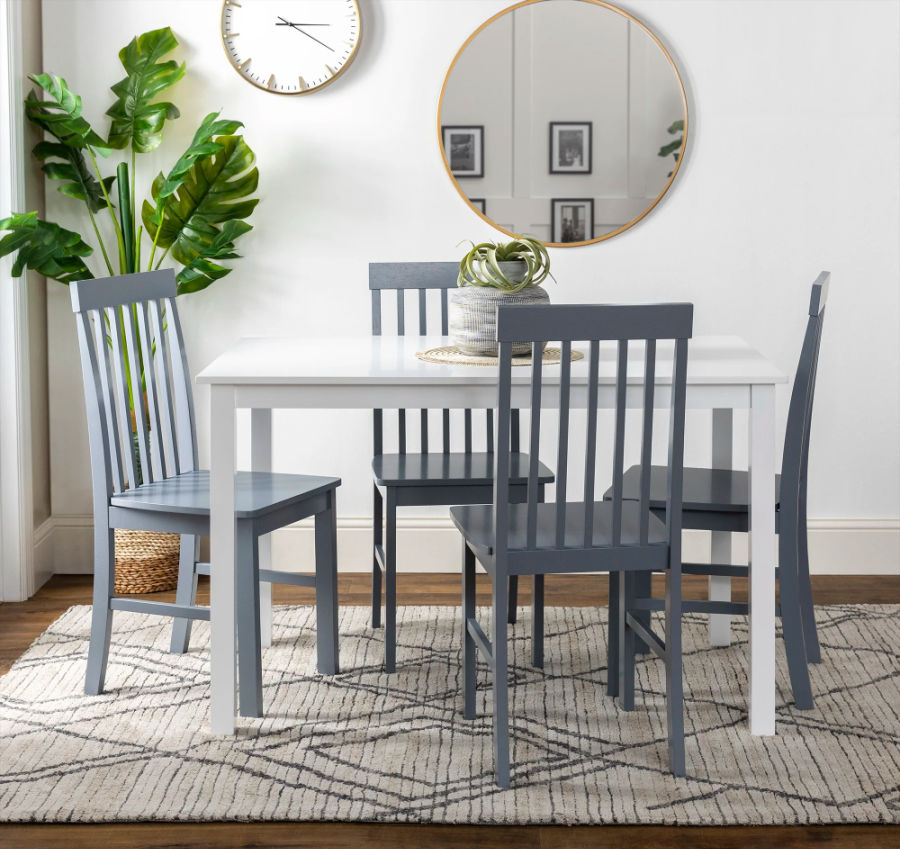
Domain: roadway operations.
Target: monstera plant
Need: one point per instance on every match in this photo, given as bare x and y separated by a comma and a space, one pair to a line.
195, 213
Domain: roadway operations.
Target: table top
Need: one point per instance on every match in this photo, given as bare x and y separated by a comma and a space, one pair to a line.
391, 360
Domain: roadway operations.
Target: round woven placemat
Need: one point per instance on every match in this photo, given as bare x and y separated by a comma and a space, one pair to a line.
451, 355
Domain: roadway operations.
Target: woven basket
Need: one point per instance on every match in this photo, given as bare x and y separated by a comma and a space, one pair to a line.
146, 561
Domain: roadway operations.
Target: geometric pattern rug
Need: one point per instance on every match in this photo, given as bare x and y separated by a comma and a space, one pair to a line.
367, 746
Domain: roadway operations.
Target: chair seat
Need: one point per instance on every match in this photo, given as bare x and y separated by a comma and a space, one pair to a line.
255, 493
707, 490
457, 469
476, 523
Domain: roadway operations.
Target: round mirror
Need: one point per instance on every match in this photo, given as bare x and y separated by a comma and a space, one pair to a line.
564, 120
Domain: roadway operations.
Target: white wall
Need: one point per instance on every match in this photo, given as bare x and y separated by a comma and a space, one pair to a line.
792, 167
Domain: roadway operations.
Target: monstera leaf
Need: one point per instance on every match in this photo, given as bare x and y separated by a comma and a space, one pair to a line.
77, 180
202, 145
215, 189
44, 247
135, 119
202, 269
60, 114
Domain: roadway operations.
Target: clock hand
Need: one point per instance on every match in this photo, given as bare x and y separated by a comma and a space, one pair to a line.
297, 27
284, 23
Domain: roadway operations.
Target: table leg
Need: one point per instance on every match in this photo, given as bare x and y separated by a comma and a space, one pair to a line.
762, 559
222, 456
720, 545
261, 461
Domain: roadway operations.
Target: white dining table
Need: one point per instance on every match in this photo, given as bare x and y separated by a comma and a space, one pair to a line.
725, 373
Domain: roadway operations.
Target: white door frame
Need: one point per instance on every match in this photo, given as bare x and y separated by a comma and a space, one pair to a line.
16, 500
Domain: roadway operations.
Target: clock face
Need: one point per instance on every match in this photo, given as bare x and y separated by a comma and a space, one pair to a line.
290, 46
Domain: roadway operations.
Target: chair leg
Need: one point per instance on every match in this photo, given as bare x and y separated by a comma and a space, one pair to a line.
804, 587
612, 637
674, 683
501, 682
470, 650
249, 639
390, 583
627, 642
642, 588
792, 621
101, 615
513, 599
378, 539
326, 590
537, 622
186, 593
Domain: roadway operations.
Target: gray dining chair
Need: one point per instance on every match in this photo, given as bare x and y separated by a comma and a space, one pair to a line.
130, 337
719, 500
422, 478
587, 535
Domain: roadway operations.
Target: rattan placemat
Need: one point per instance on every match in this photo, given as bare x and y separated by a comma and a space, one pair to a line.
451, 355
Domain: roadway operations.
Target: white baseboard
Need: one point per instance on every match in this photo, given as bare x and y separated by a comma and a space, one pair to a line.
432, 544
42, 561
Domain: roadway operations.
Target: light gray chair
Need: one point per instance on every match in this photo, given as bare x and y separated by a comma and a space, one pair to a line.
129, 336
587, 535
719, 500
416, 479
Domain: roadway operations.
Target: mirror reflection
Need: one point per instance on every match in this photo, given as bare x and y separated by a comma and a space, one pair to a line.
563, 119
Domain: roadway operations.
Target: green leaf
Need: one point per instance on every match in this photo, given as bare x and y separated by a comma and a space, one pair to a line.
671, 147
44, 247
135, 119
201, 270
215, 189
59, 114
77, 179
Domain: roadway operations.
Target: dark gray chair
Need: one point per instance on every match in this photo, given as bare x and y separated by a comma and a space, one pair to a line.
719, 499
587, 535
129, 336
426, 478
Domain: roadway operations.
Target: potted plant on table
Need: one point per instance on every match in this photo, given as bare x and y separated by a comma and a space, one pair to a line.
491, 274
193, 216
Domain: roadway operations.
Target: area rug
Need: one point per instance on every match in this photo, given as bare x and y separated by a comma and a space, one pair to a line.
366, 746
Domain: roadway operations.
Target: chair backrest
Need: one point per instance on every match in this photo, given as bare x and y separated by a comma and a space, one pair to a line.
795, 459
422, 278
592, 324
136, 380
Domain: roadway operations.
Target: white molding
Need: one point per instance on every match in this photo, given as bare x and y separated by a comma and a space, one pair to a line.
431, 544
16, 500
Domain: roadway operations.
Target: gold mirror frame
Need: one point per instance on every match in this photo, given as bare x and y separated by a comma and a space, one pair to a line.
681, 150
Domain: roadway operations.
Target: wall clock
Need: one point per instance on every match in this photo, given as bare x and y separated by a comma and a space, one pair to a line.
290, 46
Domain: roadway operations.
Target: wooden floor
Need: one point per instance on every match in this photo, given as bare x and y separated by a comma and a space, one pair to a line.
23, 622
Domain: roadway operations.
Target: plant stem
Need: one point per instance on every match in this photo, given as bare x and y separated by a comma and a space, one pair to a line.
112, 214
162, 218
100, 242
137, 249
134, 251
165, 254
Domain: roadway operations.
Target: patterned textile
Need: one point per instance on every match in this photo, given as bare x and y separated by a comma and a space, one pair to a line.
369, 746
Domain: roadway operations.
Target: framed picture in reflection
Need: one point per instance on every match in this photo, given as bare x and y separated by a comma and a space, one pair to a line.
464, 149
478, 203
571, 220
570, 147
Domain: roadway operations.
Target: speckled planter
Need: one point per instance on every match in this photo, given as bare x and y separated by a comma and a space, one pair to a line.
473, 313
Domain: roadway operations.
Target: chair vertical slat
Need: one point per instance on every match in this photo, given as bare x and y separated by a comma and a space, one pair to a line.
534, 447
378, 431
501, 457
121, 389
445, 325
590, 448
401, 435
467, 421
167, 407
489, 427
647, 440
181, 388
514, 429
619, 443
423, 318
676, 448
562, 454
137, 395
157, 455
97, 437
423, 431
376, 312
108, 401
401, 312
445, 430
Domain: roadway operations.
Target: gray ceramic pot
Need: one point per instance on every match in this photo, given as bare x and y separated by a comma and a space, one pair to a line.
473, 313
